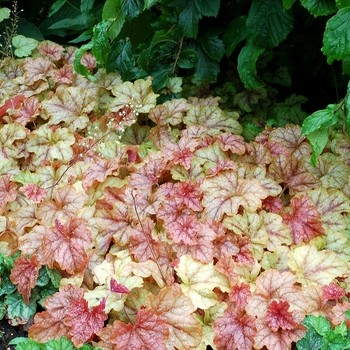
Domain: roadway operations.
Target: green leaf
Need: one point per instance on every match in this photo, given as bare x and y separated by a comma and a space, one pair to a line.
62, 344
247, 66
43, 278
213, 46
2, 310
235, 33
208, 7
4, 13
188, 59
86, 5
320, 324
342, 3
323, 118
206, 69
347, 109
24, 46
268, 23
55, 276
18, 310
100, 42
112, 9
188, 19
28, 344
149, 3
312, 340
287, 4
132, 8
336, 43
56, 6
335, 341
318, 140
78, 66
160, 74
77, 23
319, 7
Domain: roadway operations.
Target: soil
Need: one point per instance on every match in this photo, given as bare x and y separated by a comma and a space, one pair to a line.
7, 332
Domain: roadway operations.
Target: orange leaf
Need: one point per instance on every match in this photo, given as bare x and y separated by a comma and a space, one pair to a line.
66, 244
149, 332
305, 221
8, 192
25, 273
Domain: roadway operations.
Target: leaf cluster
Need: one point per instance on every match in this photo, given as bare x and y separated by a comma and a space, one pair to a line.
18, 305
168, 228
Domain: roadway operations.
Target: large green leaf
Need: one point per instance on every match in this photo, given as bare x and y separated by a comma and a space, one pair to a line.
208, 7
318, 141
56, 6
4, 13
112, 9
101, 46
132, 8
287, 4
149, 3
18, 310
319, 7
323, 118
235, 33
188, 19
268, 23
336, 43
188, 59
247, 66
213, 46
342, 3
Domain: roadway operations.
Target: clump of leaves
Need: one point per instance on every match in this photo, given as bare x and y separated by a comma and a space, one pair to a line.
169, 229
321, 334
24, 286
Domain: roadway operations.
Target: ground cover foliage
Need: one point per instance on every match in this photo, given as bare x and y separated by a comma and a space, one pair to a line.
142, 210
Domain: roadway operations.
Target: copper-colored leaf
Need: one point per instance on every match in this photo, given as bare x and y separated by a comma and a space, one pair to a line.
67, 245
25, 273
8, 191
149, 332
305, 221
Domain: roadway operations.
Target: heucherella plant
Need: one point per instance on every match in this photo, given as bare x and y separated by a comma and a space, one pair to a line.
169, 230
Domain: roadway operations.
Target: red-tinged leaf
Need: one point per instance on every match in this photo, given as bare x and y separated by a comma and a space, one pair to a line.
113, 225
8, 191
315, 304
170, 112
239, 295
31, 242
33, 192
244, 255
25, 273
258, 153
12, 103
278, 149
189, 194
234, 331
291, 137
185, 229
49, 324
332, 292
51, 50
84, 322
67, 246
234, 143
171, 210
176, 309
181, 152
305, 221
339, 313
36, 69
195, 132
30, 109
272, 204
63, 75
66, 202
89, 61
280, 340
275, 285
46, 327
149, 332
226, 265
149, 174
290, 171
161, 135
226, 192
142, 245
277, 316
99, 171
225, 164
115, 287
203, 250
